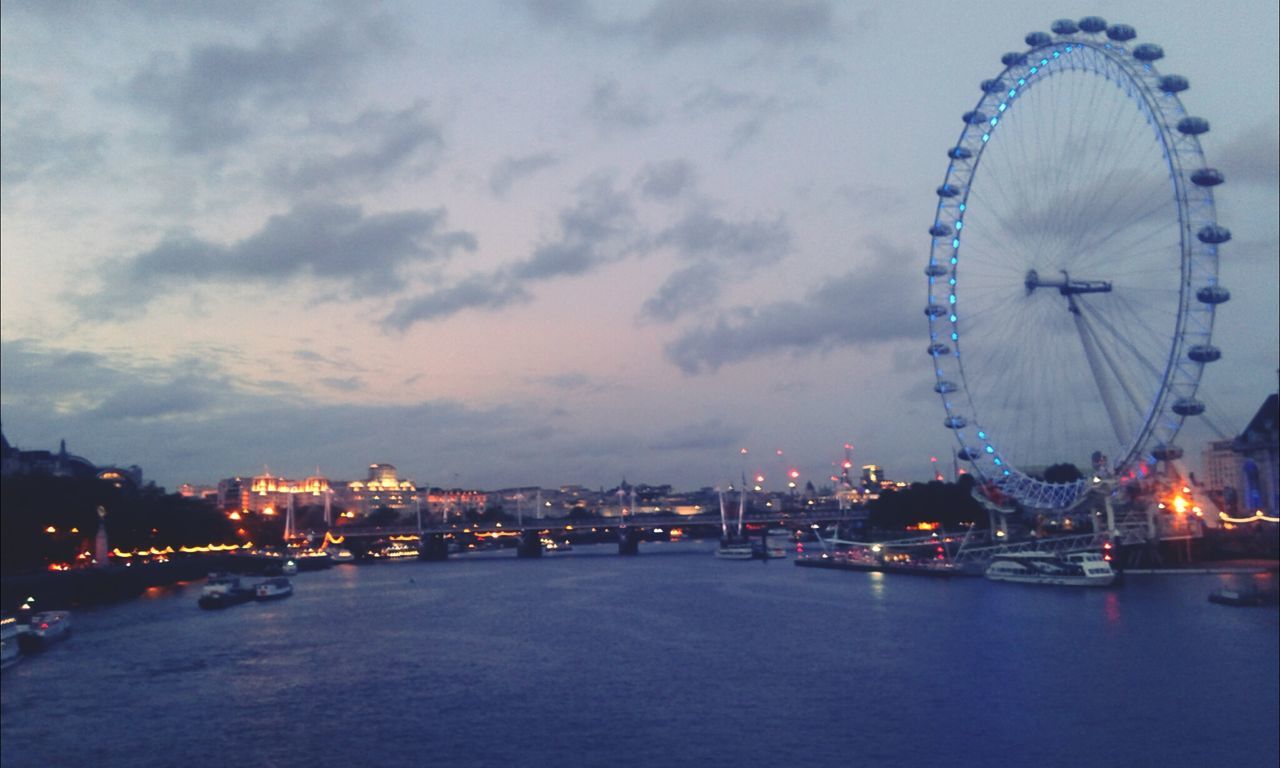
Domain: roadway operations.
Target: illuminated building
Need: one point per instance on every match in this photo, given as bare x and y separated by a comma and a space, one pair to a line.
382, 489
1258, 447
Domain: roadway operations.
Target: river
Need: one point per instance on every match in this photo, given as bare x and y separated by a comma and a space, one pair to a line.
669, 658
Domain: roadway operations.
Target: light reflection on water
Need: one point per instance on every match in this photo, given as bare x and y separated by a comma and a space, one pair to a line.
670, 658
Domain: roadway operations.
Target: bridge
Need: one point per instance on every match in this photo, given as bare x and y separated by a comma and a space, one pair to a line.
629, 530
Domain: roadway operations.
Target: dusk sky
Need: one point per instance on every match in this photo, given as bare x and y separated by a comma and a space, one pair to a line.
532, 242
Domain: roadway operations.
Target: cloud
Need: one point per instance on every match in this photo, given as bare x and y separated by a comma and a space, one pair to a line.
599, 228
1253, 155
513, 169
712, 434
703, 234
388, 143
666, 181
671, 24
475, 292
218, 95
868, 305
723, 252
611, 109
36, 378
39, 146
328, 242
683, 291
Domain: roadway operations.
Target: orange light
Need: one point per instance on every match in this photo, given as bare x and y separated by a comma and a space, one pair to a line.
1179, 504
51, 529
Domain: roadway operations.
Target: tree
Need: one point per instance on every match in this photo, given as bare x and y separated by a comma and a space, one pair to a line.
382, 516
1062, 473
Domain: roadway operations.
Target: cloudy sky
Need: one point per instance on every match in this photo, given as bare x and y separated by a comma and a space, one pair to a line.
530, 241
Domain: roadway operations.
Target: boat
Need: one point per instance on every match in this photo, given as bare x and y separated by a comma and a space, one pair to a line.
741, 549
46, 627
10, 648
274, 588
1077, 569
551, 546
735, 550
1240, 597
223, 590
341, 555
290, 568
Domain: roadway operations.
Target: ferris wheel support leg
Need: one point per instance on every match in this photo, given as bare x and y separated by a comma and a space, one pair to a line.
1095, 366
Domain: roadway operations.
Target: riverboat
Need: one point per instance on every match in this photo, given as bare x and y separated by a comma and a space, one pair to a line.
1077, 569
46, 627
223, 590
551, 546
10, 649
274, 588
749, 550
341, 555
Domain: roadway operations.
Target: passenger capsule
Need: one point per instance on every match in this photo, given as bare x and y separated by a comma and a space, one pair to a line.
1204, 353
1213, 234
1093, 24
1207, 177
1013, 58
947, 190
955, 422
1037, 39
1121, 32
940, 230
1174, 83
959, 153
935, 310
1148, 52
1064, 27
992, 86
974, 117
944, 387
968, 454
1167, 452
935, 270
1193, 126
1213, 294
938, 349
1188, 406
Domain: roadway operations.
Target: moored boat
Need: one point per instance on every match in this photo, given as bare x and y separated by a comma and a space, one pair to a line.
274, 588
46, 627
10, 649
735, 550
1077, 569
341, 555
223, 590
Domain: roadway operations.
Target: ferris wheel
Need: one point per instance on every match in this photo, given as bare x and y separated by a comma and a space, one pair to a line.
1073, 271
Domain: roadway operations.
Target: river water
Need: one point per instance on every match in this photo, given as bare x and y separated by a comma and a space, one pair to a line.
670, 658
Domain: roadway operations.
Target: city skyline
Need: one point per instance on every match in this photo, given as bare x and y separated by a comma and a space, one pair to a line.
531, 243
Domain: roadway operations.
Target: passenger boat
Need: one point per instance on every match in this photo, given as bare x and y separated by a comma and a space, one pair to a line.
10, 633
46, 627
1077, 569
223, 590
274, 588
341, 555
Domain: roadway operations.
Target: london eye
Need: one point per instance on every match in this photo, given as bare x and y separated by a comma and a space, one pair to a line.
1073, 267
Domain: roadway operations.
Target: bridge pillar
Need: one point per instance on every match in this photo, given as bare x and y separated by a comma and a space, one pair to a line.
628, 541
434, 547
530, 545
